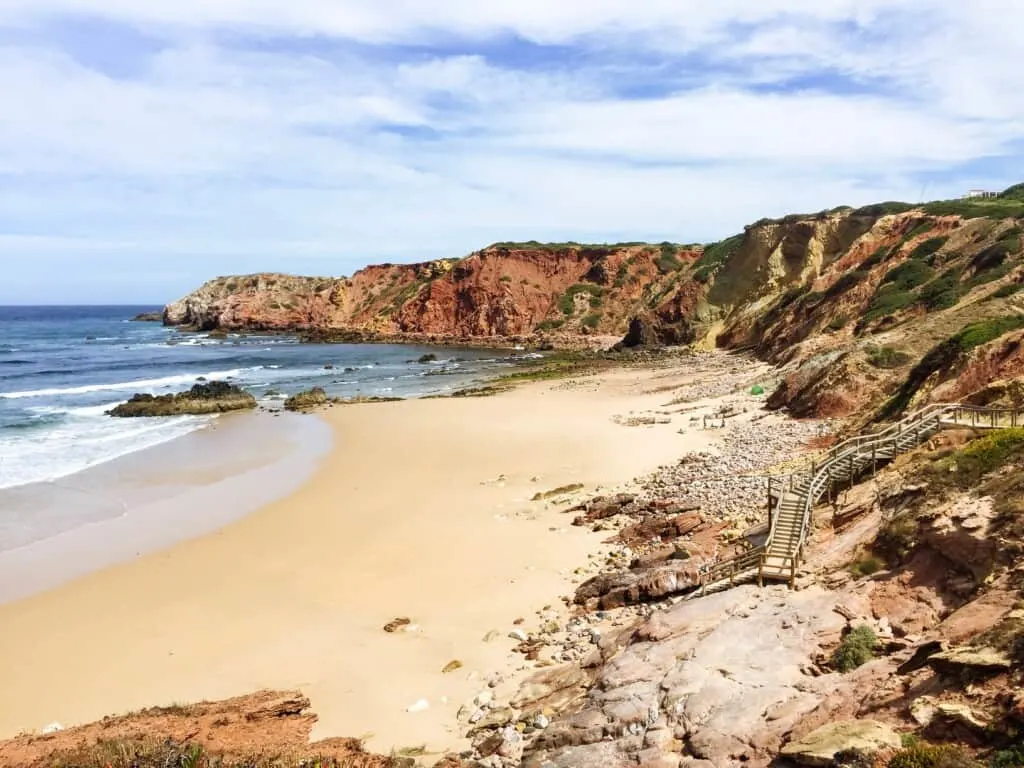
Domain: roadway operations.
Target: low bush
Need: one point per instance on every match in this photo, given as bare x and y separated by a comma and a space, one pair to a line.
716, 254
567, 301
592, 320
920, 229
845, 282
667, 263
988, 453
928, 247
887, 357
1016, 192
943, 292
549, 325
877, 257
945, 354
883, 209
898, 538
887, 301
857, 648
1007, 290
908, 275
1008, 758
867, 566
924, 755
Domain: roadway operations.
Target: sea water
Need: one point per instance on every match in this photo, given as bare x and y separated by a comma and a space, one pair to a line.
63, 368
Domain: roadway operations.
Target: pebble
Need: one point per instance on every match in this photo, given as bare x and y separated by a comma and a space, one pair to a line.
518, 634
420, 706
483, 699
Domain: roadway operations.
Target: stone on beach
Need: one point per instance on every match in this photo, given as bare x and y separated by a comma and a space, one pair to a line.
820, 747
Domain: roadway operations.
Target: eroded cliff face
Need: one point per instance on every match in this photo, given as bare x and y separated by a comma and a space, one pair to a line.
501, 291
849, 302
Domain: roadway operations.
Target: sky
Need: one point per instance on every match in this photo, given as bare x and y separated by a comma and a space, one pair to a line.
148, 146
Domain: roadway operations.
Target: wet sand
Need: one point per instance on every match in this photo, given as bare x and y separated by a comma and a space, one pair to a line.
420, 509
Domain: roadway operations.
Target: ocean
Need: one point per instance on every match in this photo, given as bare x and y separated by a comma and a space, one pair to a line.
62, 368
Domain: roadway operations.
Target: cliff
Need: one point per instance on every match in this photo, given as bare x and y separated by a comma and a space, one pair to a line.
854, 304
504, 290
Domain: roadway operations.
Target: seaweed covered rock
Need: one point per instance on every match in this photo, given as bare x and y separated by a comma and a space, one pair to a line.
201, 400
304, 401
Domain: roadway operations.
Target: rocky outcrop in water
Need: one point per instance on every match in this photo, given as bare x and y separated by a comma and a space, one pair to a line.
201, 400
306, 401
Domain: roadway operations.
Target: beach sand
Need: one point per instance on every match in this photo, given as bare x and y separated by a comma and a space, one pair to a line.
421, 509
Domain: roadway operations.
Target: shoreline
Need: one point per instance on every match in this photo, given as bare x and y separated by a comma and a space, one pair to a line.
421, 509
148, 500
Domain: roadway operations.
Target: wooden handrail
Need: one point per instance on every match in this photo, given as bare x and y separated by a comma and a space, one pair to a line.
846, 459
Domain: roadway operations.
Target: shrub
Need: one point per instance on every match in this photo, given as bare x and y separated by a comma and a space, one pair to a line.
944, 354
877, 257
845, 282
506, 279
988, 453
1008, 758
592, 320
898, 538
1016, 192
837, 323
716, 254
667, 263
943, 292
887, 357
910, 274
928, 247
924, 755
995, 255
857, 648
887, 300
567, 301
866, 566
995, 209
1008, 290
920, 229
976, 334
883, 209
549, 325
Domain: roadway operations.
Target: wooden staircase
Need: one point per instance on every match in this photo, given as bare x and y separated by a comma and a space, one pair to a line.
792, 498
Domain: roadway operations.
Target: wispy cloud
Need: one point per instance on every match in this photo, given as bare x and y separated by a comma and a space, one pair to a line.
176, 140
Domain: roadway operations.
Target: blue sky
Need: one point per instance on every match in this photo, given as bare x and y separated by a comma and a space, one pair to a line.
145, 147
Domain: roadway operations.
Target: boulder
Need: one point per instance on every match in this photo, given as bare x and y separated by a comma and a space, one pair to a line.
641, 333
149, 317
614, 590
201, 400
304, 401
977, 660
820, 747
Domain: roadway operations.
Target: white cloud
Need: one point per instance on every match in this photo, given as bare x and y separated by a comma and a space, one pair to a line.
316, 151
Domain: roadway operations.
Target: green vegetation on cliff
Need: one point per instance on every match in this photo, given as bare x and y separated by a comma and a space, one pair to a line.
944, 355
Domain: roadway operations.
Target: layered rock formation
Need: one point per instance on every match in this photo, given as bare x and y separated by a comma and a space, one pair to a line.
849, 301
505, 290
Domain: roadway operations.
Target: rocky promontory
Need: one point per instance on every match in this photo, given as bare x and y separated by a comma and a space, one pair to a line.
201, 400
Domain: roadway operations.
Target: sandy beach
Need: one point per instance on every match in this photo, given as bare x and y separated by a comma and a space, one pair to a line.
422, 509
